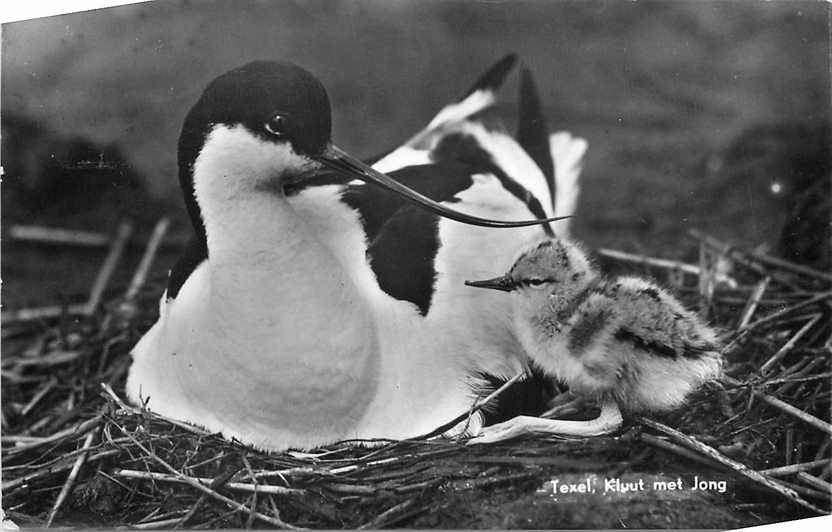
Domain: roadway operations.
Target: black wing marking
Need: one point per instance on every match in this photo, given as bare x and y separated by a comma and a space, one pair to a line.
439, 182
494, 77
532, 131
195, 252
688, 350
402, 256
651, 347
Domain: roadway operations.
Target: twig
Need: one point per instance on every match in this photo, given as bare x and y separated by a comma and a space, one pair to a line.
51, 470
675, 449
354, 467
213, 460
496, 393
73, 474
706, 280
795, 379
15, 439
382, 519
202, 487
15, 378
156, 513
738, 256
147, 259
665, 264
43, 313
38, 425
104, 358
352, 489
800, 488
293, 471
789, 345
52, 359
732, 464
7, 333
793, 468
73, 237
183, 479
218, 482
38, 396
753, 302
815, 482
823, 448
790, 266
565, 463
478, 483
807, 418
192, 511
419, 486
253, 505
789, 447
52, 235
163, 524
788, 310
125, 229
76, 431
275, 509
108, 390
478, 405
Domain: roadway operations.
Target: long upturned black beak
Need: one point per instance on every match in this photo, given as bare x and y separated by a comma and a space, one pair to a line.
504, 283
333, 157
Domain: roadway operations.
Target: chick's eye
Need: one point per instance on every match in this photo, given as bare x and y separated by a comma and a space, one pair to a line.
277, 126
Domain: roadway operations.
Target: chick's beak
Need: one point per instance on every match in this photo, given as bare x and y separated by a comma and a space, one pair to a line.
340, 161
504, 283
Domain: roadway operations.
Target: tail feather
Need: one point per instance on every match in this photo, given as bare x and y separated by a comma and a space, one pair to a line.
532, 132
568, 152
480, 96
494, 77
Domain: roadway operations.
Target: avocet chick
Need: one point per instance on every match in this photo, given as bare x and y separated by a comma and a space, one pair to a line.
623, 342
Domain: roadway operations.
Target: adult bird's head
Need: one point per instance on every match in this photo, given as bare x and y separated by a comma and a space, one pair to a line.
266, 125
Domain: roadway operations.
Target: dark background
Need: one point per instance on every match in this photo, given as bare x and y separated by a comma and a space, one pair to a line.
659, 89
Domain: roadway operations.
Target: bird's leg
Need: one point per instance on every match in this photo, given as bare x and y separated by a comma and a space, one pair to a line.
565, 404
607, 421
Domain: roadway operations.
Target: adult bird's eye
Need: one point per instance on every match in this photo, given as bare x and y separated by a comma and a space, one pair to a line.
277, 126
537, 283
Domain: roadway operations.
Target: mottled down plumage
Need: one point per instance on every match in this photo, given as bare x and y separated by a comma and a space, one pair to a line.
624, 342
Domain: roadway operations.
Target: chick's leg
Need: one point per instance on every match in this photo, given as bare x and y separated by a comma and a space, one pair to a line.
607, 421
566, 404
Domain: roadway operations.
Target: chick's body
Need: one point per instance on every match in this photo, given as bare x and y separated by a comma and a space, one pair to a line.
623, 342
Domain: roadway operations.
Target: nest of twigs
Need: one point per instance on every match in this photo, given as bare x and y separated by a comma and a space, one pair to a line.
73, 452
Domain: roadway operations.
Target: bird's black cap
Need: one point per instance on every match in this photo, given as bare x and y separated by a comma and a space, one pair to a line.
252, 95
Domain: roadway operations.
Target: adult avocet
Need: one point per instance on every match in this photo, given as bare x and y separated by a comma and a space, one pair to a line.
310, 308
